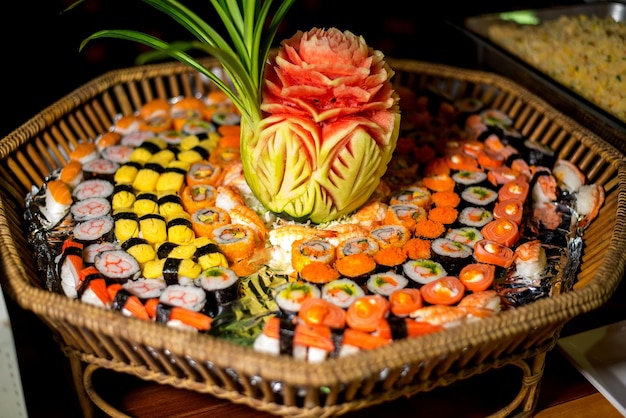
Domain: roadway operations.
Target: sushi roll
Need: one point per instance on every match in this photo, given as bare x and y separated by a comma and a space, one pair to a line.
511, 209
446, 290
198, 128
359, 244
144, 288
69, 264
452, 254
416, 195
236, 242
356, 267
390, 235
222, 157
514, 189
199, 196
205, 220
123, 197
90, 251
423, 271
477, 277
480, 196
203, 172
406, 214
93, 188
91, 208
366, 311
342, 292
221, 287
467, 235
225, 117
172, 137
93, 288
185, 296
177, 316
490, 252
318, 272
502, 230
118, 154
290, 296
385, 283
307, 250
126, 303
404, 301
465, 178
390, 259
117, 266
99, 229
100, 168
126, 224
475, 216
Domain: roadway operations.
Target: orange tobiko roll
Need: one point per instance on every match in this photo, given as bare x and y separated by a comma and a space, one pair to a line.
429, 228
417, 248
319, 272
443, 214
439, 182
355, 266
446, 198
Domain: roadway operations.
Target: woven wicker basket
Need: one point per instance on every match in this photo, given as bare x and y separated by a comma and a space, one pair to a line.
281, 385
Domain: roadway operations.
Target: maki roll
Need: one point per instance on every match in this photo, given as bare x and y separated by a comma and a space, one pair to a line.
290, 296
422, 271
386, 283
466, 178
221, 287
342, 292
205, 220
93, 188
475, 216
119, 154
90, 208
318, 272
236, 242
416, 195
100, 168
480, 196
357, 267
90, 251
199, 196
306, 250
185, 296
203, 172
406, 214
354, 245
453, 254
390, 235
94, 230
117, 266
467, 235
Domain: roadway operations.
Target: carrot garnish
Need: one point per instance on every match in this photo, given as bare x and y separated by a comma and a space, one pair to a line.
446, 290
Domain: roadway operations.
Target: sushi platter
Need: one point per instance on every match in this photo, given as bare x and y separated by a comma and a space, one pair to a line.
234, 353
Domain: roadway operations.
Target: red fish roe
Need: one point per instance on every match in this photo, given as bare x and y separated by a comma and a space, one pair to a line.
442, 214
428, 228
417, 248
446, 198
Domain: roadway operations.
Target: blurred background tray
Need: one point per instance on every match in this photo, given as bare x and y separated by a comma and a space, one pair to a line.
492, 57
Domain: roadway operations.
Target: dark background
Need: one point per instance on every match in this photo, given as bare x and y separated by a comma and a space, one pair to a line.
42, 62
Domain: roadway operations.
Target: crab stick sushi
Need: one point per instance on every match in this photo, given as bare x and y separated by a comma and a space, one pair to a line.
491, 252
123, 197
306, 250
396, 328
93, 188
145, 289
236, 242
100, 168
342, 292
290, 296
221, 287
117, 266
423, 271
126, 224
95, 230
69, 264
366, 311
385, 283
186, 296
501, 230
93, 288
125, 302
205, 220
93, 207
117, 154
177, 316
